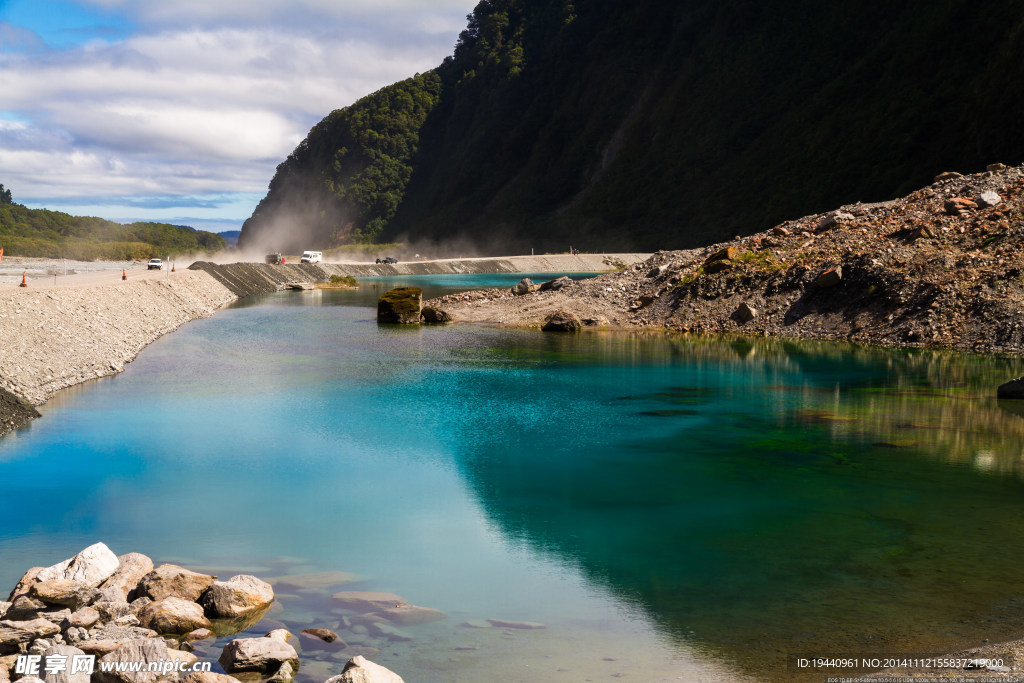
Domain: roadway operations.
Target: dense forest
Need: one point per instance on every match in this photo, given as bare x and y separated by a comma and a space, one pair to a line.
52, 234
657, 123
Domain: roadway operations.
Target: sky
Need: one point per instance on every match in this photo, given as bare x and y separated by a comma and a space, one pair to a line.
180, 110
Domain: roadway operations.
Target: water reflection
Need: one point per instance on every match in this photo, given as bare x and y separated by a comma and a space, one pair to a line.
770, 499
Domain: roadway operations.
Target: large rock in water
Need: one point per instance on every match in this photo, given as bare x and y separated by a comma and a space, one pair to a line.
361, 670
524, 286
91, 566
265, 655
173, 615
172, 581
237, 597
1012, 389
400, 305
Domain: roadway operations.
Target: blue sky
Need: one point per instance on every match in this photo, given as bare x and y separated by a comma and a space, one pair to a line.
180, 110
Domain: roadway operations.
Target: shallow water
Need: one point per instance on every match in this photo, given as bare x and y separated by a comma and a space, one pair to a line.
654, 500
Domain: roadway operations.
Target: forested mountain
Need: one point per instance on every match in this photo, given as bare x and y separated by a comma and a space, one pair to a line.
53, 234
657, 123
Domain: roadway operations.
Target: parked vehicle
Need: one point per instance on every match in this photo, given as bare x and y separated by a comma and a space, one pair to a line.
312, 257
275, 259
155, 264
387, 259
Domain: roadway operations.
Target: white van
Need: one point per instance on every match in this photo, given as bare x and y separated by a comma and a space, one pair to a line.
312, 257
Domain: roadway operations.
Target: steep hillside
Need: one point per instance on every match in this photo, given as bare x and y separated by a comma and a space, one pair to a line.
654, 124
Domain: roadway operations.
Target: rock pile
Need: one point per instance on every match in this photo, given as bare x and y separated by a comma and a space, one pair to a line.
942, 267
112, 609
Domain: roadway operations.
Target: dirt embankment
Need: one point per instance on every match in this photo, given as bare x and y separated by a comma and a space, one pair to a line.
253, 279
941, 267
57, 337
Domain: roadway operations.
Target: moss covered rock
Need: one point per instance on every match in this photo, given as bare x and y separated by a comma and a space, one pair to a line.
400, 305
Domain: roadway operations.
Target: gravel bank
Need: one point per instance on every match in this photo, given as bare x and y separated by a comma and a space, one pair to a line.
57, 337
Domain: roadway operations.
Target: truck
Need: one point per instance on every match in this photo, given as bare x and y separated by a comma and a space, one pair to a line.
312, 257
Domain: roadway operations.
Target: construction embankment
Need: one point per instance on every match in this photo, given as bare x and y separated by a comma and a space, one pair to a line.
253, 279
81, 327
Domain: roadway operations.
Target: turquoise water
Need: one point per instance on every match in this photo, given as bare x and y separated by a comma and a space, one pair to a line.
663, 505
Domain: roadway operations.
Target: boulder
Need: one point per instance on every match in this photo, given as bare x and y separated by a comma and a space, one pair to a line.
361, 670
16, 633
987, 199
321, 639
435, 315
173, 615
84, 618
237, 597
282, 634
400, 305
131, 567
65, 676
727, 254
948, 175
556, 284
562, 321
172, 581
65, 592
265, 655
367, 601
832, 220
1014, 389
524, 286
146, 651
830, 278
24, 583
719, 266
745, 313
92, 566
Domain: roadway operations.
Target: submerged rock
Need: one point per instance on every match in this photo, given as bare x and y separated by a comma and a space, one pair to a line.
400, 305
367, 601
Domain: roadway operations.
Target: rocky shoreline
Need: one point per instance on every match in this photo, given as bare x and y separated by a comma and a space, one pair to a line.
55, 338
100, 612
942, 267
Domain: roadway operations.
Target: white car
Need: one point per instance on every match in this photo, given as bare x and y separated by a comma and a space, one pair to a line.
312, 257
156, 264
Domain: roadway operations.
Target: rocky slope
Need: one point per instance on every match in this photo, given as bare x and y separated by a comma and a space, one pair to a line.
940, 267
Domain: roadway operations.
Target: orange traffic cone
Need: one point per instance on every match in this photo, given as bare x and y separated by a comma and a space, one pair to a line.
124, 274
172, 266
24, 280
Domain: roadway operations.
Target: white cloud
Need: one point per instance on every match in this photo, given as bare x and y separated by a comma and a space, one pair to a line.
211, 107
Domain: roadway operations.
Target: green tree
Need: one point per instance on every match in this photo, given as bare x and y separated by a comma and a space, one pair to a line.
5, 195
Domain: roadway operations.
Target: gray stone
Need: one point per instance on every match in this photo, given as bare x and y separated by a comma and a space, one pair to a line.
745, 313
524, 286
16, 633
65, 676
131, 567
92, 566
237, 597
145, 651
136, 605
832, 221
361, 670
434, 315
66, 592
172, 615
264, 655
948, 175
987, 199
562, 320
172, 581
401, 305
112, 610
84, 618
556, 284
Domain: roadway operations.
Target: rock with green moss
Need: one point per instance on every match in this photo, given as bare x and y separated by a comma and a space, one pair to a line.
400, 305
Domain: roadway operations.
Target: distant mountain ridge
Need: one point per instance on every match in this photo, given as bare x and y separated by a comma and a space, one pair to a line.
656, 124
